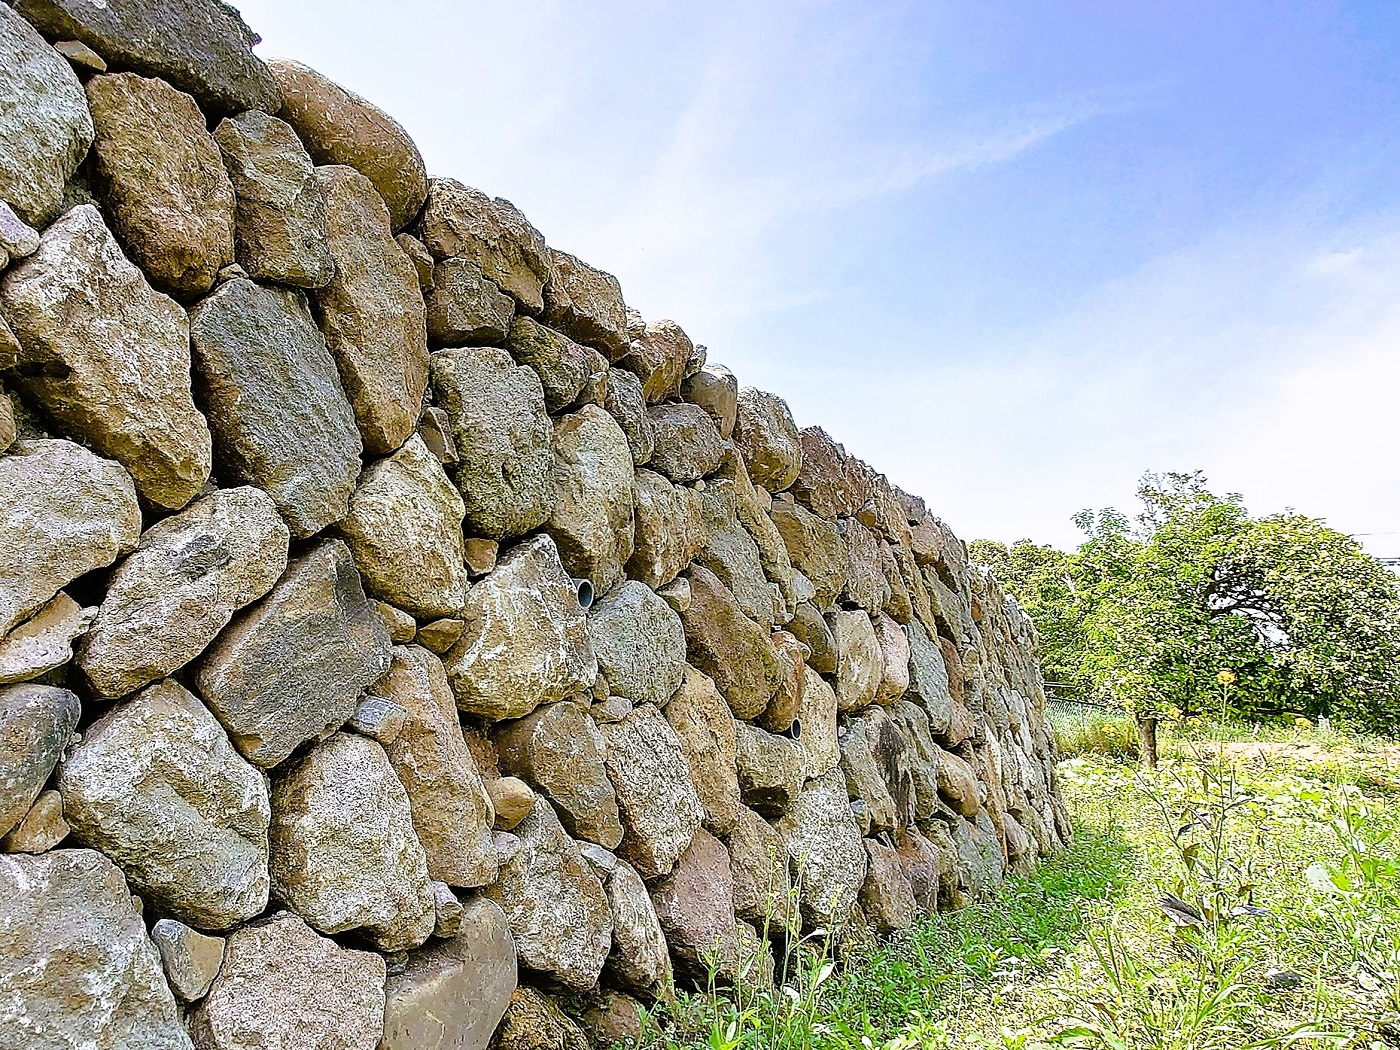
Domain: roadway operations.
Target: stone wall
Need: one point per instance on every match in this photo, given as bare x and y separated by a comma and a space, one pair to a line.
396, 631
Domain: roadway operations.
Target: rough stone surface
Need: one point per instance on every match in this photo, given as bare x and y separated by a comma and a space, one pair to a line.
592, 517
613, 1018
766, 435
957, 782
658, 356
786, 704
76, 966
511, 800
344, 853
452, 812
379, 719
279, 414
586, 305
771, 769
624, 402
18, 239
292, 667
695, 906
640, 959
440, 635
453, 993
729, 647
928, 678
191, 959
659, 806
339, 127
923, 756
44, 641
866, 585
875, 761
63, 513
887, 897
830, 483
280, 215
731, 554
460, 221
283, 985
36, 724
557, 908
758, 858
533, 1022
705, 728
372, 312
894, 653
526, 637
815, 547
107, 357
688, 445
45, 129
464, 305
503, 438
404, 528
563, 365
161, 179
810, 628
158, 788
190, 573
200, 46
41, 829
670, 530
561, 751
715, 389
818, 720
824, 844
400, 624
860, 663
640, 644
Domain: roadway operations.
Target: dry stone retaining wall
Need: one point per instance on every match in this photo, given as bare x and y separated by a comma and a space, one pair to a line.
396, 631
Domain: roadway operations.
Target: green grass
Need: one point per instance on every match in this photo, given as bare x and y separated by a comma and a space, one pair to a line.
1284, 861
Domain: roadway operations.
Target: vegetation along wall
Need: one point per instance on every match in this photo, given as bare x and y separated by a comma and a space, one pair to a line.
397, 632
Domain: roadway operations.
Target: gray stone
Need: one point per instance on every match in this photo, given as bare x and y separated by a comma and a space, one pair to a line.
46, 128
292, 667
688, 445
372, 312
875, 761
156, 786
705, 728
379, 719
623, 400
282, 985
460, 221
191, 959
344, 854
824, 844
815, 548
586, 305
76, 966
831, 483
44, 641
503, 437
448, 916
557, 908
887, 897
670, 530
980, 855
658, 356
923, 756
108, 358
640, 960
280, 417
563, 365
695, 906
561, 751
63, 513
860, 663
771, 769
865, 577
715, 389
161, 181
339, 127
190, 573
18, 239
422, 260
758, 859
592, 517
200, 46
452, 813
404, 528
36, 724
42, 828
768, 438
603, 861
894, 653
818, 721
731, 554
928, 678
435, 431
451, 995
280, 215
465, 306
659, 806
639, 642
526, 639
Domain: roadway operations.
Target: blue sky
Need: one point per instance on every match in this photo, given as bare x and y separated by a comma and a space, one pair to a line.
1011, 253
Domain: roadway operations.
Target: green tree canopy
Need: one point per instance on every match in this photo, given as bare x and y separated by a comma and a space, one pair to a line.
1148, 611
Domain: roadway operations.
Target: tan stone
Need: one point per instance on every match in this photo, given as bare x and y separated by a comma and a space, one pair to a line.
758, 858
818, 721
815, 547
688, 445
191, 959
586, 304
705, 728
639, 642
887, 897
670, 530
894, 652
771, 769
824, 844
624, 401
786, 704
640, 959
440, 635
592, 517
41, 829
464, 305
860, 663
831, 483
44, 641
511, 800
715, 389
534, 1022
768, 438
729, 647
658, 357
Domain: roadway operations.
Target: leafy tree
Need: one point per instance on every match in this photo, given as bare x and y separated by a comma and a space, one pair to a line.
1149, 612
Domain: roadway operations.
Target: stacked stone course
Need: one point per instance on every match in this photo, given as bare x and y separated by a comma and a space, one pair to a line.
396, 631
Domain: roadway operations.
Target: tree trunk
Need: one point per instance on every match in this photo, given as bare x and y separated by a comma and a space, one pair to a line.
1147, 729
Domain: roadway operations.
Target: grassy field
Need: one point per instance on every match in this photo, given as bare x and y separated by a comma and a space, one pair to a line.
1245, 895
